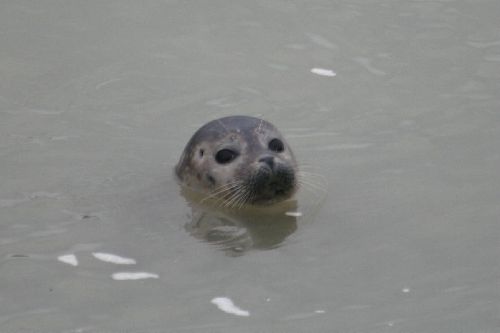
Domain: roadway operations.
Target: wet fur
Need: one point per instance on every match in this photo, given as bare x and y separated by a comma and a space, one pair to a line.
245, 180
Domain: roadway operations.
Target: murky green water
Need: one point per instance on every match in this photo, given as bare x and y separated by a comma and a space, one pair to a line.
97, 100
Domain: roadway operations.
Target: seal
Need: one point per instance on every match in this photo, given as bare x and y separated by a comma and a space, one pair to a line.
238, 161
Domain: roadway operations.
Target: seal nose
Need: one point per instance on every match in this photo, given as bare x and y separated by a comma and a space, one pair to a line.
269, 160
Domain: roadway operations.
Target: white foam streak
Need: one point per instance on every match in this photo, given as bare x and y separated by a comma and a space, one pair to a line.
323, 72
226, 304
122, 276
69, 259
293, 214
113, 258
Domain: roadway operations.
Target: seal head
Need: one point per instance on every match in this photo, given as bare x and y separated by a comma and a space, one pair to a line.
239, 160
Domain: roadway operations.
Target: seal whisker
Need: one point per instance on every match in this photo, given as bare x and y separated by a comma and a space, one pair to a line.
236, 197
225, 188
312, 183
223, 200
312, 186
251, 195
243, 198
315, 176
229, 194
233, 198
222, 190
320, 181
248, 196
226, 202
306, 165
310, 178
310, 173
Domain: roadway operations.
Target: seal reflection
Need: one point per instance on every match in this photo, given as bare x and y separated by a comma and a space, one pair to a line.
237, 231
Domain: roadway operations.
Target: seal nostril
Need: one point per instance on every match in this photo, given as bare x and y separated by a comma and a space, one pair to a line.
269, 160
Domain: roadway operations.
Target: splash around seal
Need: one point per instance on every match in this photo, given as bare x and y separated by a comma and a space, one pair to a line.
237, 161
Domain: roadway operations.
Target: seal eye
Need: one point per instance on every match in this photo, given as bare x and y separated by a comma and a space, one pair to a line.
276, 145
225, 156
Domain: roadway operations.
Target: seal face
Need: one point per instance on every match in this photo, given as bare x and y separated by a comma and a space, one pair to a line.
239, 160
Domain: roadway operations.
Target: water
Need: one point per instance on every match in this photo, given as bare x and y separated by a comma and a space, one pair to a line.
97, 100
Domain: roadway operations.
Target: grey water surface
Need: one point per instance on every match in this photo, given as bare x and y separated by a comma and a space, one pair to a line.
98, 98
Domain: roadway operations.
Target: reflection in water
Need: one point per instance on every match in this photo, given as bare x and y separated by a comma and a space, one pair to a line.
237, 231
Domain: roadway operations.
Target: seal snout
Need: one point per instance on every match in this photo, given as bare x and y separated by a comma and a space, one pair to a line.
273, 179
268, 160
